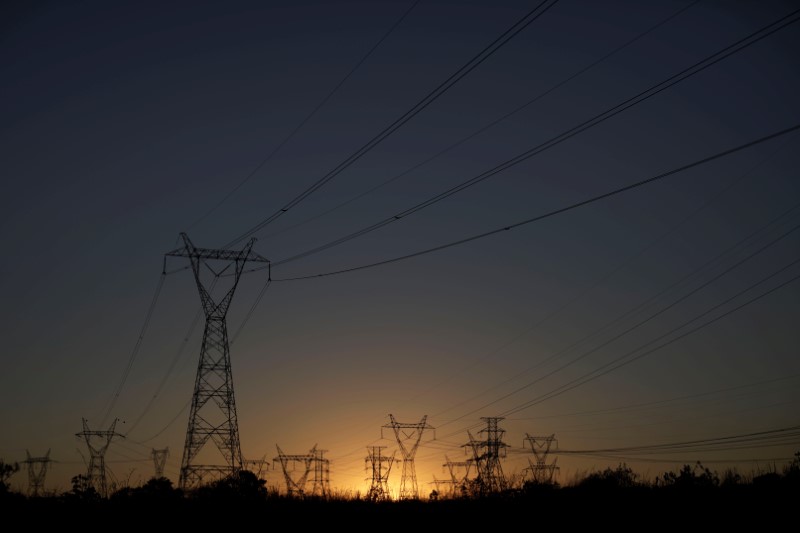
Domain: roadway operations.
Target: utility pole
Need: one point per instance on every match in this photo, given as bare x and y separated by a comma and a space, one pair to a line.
98, 443
408, 437
159, 460
37, 470
213, 413
381, 466
296, 487
541, 472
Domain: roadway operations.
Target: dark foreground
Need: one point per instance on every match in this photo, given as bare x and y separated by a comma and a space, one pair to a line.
619, 509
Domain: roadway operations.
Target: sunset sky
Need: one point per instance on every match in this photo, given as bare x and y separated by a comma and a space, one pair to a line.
661, 314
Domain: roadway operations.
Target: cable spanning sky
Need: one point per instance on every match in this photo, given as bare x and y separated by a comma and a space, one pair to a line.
580, 217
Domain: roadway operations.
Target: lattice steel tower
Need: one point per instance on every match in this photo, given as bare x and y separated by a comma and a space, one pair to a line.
159, 461
213, 413
381, 466
408, 436
296, 484
98, 443
321, 482
486, 454
541, 472
37, 470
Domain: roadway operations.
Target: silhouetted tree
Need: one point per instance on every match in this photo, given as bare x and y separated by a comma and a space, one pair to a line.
621, 477
82, 489
690, 477
242, 487
6, 471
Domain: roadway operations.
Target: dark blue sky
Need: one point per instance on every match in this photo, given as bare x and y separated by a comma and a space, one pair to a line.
125, 123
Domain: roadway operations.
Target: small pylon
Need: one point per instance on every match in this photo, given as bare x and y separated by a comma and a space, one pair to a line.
159, 461
98, 443
296, 484
381, 466
541, 472
487, 454
408, 437
37, 470
321, 482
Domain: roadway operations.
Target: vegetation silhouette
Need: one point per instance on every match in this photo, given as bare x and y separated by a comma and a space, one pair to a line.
603, 497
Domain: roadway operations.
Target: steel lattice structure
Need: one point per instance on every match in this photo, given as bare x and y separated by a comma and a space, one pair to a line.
321, 482
213, 412
159, 460
296, 485
458, 481
381, 466
486, 455
541, 472
37, 470
98, 443
408, 437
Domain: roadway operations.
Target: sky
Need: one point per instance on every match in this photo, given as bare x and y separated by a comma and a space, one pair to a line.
660, 314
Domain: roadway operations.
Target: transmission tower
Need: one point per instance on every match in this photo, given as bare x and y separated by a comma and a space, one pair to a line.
541, 472
37, 470
213, 414
321, 482
257, 466
159, 460
486, 454
98, 443
458, 481
381, 466
296, 485
408, 436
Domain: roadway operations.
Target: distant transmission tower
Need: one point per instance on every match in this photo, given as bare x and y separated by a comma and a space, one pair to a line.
159, 461
458, 480
381, 466
296, 484
37, 470
541, 472
213, 414
408, 436
321, 482
257, 466
98, 443
486, 454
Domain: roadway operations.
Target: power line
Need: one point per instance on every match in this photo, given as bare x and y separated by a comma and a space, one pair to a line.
621, 361
766, 436
555, 212
618, 268
484, 54
698, 67
630, 356
307, 118
135, 352
641, 322
487, 126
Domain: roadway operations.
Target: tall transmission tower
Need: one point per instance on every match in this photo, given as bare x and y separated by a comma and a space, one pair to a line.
159, 461
486, 454
213, 413
98, 443
381, 466
408, 437
541, 472
296, 484
321, 482
37, 470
